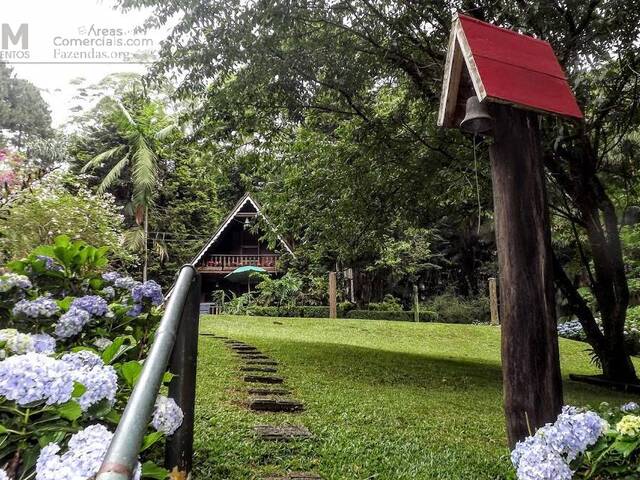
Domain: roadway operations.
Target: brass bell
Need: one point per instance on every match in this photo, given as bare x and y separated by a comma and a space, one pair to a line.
476, 119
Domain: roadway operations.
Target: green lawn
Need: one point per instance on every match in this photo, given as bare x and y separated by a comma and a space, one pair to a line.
385, 400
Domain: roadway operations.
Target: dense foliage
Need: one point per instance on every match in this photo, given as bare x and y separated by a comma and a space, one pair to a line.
72, 343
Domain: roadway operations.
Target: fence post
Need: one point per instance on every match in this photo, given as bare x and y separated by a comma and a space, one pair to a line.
416, 304
183, 364
493, 301
333, 304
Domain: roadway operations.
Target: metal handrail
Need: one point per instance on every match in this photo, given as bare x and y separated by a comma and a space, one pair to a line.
175, 340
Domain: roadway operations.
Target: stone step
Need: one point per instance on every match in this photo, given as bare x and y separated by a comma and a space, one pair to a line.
254, 368
266, 404
263, 379
244, 348
282, 433
268, 391
262, 362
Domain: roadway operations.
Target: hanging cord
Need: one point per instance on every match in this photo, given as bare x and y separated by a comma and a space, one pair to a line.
475, 166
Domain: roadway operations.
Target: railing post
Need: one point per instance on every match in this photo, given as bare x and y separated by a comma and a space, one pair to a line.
183, 363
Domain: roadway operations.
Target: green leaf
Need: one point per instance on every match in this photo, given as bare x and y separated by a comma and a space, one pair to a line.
118, 348
151, 470
3, 429
78, 390
151, 439
70, 410
130, 371
167, 377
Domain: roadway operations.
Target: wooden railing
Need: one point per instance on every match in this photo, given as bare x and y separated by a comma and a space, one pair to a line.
228, 263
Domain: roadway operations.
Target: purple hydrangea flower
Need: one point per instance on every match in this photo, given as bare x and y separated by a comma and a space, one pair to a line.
35, 377
94, 304
629, 407
167, 416
39, 308
148, 290
72, 322
81, 461
9, 281
539, 462
108, 292
83, 359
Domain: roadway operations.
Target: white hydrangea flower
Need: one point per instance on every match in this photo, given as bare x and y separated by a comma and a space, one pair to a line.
16, 342
167, 416
3, 475
102, 343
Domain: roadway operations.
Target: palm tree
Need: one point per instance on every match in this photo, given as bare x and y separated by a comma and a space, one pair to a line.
138, 154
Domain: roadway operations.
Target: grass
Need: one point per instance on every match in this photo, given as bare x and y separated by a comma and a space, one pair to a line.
385, 400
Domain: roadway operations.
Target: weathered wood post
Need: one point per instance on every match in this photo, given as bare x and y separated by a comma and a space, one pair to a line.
333, 293
493, 301
416, 304
498, 79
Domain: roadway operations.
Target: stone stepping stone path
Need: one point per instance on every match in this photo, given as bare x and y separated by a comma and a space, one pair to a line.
260, 372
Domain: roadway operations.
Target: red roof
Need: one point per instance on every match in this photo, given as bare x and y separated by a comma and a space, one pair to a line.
509, 67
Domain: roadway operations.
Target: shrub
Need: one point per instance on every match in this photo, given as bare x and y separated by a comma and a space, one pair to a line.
402, 316
583, 444
389, 304
71, 344
448, 308
314, 312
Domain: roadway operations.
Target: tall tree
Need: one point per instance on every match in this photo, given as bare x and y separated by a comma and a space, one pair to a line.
270, 71
141, 130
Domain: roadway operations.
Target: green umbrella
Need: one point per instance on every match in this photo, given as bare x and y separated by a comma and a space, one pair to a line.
245, 274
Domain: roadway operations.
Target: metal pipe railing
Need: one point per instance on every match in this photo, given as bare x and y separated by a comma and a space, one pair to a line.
176, 338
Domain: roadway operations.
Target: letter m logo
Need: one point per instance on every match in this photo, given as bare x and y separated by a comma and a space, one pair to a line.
20, 36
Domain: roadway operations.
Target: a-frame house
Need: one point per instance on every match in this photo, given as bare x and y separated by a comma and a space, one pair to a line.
234, 245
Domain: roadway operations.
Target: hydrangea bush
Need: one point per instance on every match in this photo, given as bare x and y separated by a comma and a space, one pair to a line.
72, 340
583, 444
572, 329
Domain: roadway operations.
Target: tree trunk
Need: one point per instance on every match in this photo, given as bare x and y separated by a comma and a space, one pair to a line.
530, 358
608, 281
146, 244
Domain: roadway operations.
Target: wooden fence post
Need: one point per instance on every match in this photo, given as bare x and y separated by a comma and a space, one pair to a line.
493, 301
416, 304
333, 304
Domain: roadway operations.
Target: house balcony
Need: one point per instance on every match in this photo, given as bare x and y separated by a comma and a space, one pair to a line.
228, 263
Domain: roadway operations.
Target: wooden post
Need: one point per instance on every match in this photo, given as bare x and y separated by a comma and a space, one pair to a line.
416, 304
530, 359
493, 301
333, 305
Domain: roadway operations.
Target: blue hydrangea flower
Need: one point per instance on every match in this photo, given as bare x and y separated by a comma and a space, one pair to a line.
149, 290
111, 277
539, 462
629, 407
50, 263
43, 343
35, 377
71, 323
94, 304
99, 380
125, 283
135, 310
167, 416
108, 292
39, 308
9, 281
83, 458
